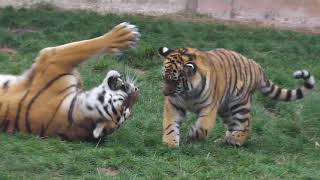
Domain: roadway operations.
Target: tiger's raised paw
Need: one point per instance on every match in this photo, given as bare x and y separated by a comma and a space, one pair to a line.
122, 37
236, 138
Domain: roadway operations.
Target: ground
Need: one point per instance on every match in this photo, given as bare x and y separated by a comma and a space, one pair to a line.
285, 138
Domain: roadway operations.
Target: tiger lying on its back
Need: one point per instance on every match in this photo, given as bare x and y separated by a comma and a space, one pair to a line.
216, 82
48, 100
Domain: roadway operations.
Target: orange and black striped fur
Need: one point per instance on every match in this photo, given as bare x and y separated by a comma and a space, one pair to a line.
47, 100
216, 82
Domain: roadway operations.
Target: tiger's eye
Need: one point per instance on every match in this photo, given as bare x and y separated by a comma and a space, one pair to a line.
119, 83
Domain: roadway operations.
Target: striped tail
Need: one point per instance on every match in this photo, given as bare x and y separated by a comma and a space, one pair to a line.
273, 91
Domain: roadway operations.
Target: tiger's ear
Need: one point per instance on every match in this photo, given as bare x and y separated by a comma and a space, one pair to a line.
164, 51
190, 69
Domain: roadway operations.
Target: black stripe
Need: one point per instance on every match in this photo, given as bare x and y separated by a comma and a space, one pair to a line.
170, 132
215, 97
168, 126
89, 107
203, 85
65, 89
244, 75
308, 85
241, 111
206, 95
101, 98
241, 120
70, 112
288, 96
114, 111
5, 121
27, 121
236, 106
229, 69
252, 76
235, 73
271, 90
204, 99
203, 131
299, 93
197, 134
56, 110
105, 108
278, 92
181, 110
118, 119
100, 113
16, 121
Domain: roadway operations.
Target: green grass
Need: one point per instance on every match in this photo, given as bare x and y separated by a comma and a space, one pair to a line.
282, 145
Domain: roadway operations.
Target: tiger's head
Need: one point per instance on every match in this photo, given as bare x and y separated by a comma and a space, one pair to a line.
113, 100
180, 72
115, 84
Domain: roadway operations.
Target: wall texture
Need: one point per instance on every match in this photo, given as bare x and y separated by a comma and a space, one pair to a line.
295, 13
288, 13
151, 7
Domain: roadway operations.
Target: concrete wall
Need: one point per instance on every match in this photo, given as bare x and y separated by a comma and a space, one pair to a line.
296, 13
151, 7
289, 13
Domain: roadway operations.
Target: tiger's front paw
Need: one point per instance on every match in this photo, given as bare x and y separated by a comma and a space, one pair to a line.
196, 134
122, 37
236, 138
171, 141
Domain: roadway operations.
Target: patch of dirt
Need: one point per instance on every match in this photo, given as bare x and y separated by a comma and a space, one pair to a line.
22, 30
8, 51
109, 171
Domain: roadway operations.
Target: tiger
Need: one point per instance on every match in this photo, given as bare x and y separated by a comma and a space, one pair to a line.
216, 82
47, 100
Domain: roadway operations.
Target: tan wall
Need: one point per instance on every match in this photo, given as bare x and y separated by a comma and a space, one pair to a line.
152, 7
300, 13
289, 13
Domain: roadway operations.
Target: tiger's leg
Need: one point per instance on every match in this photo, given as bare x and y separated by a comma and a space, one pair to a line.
238, 123
172, 117
204, 124
67, 56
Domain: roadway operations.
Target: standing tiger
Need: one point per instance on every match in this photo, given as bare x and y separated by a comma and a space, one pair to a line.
216, 82
47, 100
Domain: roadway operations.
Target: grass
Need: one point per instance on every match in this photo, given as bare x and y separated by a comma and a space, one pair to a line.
284, 136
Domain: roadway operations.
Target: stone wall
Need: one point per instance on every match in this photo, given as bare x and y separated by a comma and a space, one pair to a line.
150, 7
289, 13
295, 13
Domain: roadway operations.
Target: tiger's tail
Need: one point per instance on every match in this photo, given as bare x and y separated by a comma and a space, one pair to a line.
268, 88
